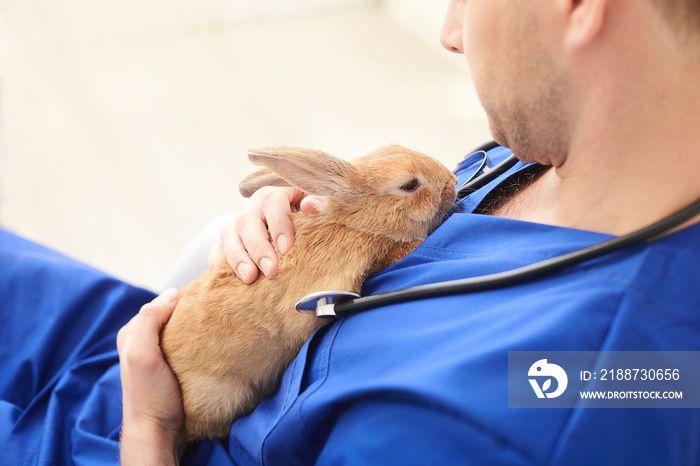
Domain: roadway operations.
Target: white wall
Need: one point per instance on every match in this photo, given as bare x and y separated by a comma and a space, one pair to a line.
124, 123
84, 21
423, 17
237, 10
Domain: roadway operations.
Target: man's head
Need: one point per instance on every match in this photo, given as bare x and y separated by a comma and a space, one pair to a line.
541, 66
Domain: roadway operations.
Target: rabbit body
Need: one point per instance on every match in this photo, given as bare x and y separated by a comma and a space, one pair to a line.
229, 343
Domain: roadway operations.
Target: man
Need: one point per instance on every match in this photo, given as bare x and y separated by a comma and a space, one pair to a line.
604, 92
603, 95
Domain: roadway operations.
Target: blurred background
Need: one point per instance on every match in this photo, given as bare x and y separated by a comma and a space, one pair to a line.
124, 124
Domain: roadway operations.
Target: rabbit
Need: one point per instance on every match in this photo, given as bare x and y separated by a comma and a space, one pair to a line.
229, 343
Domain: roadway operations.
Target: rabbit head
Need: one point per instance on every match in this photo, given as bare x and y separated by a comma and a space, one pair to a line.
392, 191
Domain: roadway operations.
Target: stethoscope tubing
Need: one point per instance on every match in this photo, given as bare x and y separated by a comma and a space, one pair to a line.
521, 274
477, 182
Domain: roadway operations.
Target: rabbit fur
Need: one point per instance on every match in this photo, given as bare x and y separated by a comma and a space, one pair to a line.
229, 343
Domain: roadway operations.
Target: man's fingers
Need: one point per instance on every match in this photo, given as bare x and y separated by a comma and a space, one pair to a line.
247, 243
278, 216
267, 215
160, 309
139, 340
238, 256
312, 204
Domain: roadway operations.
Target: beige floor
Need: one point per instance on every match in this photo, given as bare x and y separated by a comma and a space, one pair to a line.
116, 151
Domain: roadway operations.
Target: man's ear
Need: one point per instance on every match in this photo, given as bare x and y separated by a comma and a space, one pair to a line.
585, 20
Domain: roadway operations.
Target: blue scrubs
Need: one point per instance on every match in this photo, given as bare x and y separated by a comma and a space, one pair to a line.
423, 382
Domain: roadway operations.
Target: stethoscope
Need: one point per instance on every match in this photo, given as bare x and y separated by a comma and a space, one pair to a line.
331, 304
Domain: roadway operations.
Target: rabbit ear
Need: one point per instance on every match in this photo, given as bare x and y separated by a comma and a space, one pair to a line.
312, 171
257, 180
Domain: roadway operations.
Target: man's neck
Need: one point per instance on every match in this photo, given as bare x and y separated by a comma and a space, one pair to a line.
605, 201
633, 162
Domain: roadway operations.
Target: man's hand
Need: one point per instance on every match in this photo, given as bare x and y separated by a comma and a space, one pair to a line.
153, 423
264, 220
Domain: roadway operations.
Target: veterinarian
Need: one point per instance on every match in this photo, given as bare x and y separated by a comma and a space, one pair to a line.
599, 100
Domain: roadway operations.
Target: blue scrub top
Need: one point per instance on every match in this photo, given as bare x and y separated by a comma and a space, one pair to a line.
423, 382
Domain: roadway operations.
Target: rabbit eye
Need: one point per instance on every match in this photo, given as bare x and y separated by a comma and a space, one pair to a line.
411, 185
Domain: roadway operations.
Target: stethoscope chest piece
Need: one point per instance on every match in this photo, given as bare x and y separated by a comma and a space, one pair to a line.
323, 303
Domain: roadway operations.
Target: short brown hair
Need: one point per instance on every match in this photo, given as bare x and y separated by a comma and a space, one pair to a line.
683, 16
